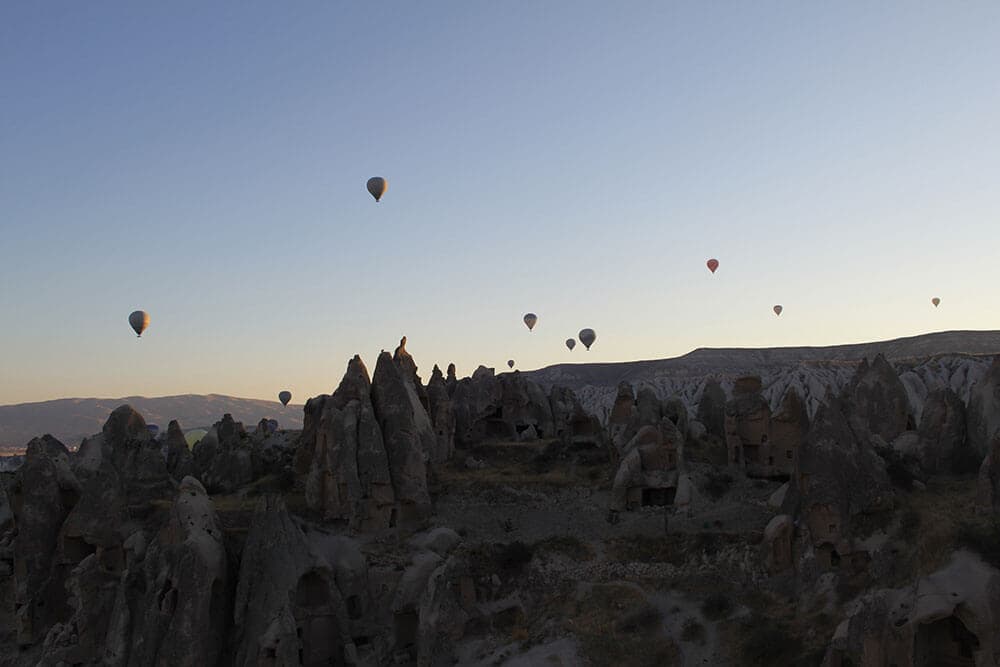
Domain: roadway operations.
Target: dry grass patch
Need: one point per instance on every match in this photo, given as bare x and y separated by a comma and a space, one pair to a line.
930, 522
513, 464
566, 545
616, 625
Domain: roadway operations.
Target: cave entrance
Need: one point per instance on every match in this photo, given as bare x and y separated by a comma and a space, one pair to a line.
945, 643
658, 497
316, 622
407, 623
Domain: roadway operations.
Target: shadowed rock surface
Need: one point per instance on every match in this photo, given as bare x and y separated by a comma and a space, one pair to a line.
484, 521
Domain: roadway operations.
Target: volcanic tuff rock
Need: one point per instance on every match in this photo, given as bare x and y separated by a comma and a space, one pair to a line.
125, 451
925, 363
984, 409
839, 477
777, 545
225, 457
442, 412
879, 401
180, 462
47, 492
288, 609
343, 459
942, 433
712, 409
988, 483
476, 402
571, 421
948, 618
406, 441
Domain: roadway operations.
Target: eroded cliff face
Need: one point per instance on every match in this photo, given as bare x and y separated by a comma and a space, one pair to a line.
478, 520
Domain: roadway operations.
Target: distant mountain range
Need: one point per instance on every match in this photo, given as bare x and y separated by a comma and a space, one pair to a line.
72, 419
926, 362
951, 358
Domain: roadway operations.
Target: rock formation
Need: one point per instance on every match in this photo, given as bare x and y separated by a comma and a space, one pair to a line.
942, 432
984, 410
344, 461
839, 478
442, 413
948, 618
225, 457
712, 409
878, 400
287, 609
407, 435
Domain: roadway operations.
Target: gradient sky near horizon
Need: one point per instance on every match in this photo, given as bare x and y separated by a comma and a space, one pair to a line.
206, 162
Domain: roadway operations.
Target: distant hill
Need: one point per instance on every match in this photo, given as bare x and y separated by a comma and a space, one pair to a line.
72, 419
949, 358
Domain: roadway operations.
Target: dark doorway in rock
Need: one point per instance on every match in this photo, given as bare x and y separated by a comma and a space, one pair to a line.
354, 607
312, 591
944, 643
407, 622
316, 622
658, 497
75, 549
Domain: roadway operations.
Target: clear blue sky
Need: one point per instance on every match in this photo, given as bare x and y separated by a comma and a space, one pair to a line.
206, 162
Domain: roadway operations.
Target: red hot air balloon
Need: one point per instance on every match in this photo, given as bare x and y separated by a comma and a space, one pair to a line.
712, 264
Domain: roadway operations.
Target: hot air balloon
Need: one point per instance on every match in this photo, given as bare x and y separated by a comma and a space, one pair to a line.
936, 301
530, 319
571, 343
284, 397
712, 264
510, 363
194, 435
777, 310
377, 187
153, 429
139, 320
587, 337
